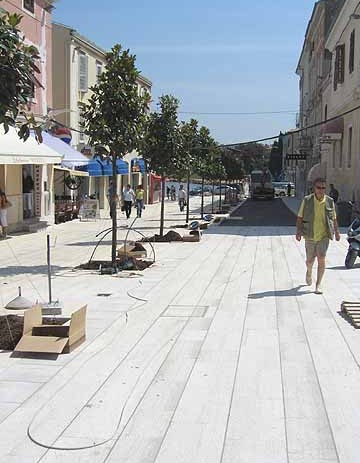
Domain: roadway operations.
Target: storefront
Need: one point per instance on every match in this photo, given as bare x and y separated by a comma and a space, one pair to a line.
70, 184
154, 189
139, 176
100, 174
26, 175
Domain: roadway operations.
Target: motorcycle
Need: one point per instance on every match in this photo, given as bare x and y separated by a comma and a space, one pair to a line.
354, 243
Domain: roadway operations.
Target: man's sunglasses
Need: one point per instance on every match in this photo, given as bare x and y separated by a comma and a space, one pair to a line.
320, 187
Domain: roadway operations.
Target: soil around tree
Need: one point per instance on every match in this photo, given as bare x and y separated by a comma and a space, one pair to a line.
11, 329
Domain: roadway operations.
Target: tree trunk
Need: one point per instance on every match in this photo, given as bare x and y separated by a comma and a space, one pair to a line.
220, 198
112, 197
162, 208
202, 197
212, 197
187, 198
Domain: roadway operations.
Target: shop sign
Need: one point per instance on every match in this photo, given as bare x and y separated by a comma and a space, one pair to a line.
89, 209
37, 189
296, 157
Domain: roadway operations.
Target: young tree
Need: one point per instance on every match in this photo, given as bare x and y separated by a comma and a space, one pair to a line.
161, 143
207, 149
115, 116
17, 76
189, 150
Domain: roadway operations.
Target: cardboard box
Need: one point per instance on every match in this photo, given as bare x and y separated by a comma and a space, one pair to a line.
132, 250
52, 339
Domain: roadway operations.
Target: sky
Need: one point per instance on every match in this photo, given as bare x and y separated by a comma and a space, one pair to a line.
229, 56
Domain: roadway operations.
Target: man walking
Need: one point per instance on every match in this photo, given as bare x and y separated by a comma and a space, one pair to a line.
139, 200
334, 194
182, 198
129, 199
317, 223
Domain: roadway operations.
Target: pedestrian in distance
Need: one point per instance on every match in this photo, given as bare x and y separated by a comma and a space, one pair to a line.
4, 205
168, 192
289, 189
112, 196
334, 194
182, 198
139, 195
317, 223
128, 199
173, 193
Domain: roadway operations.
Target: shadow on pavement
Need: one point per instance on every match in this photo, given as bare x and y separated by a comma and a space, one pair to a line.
262, 232
342, 267
12, 270
282, 293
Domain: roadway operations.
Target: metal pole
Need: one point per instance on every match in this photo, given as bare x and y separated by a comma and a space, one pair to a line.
49, 266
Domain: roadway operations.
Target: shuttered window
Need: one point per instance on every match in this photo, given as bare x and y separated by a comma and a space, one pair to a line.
352, 52
339, 73
83, 72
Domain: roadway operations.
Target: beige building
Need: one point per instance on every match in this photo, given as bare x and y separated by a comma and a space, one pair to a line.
343, 95
76, 66
314, 69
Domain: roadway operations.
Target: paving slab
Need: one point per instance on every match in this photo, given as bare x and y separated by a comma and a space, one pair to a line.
224, 356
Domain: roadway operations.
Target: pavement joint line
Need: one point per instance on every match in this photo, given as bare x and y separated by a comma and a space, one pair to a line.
115, 336
128, 353
192, 369
238, 357
280, 354
312, 356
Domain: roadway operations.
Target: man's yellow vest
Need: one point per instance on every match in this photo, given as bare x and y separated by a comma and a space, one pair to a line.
309, 215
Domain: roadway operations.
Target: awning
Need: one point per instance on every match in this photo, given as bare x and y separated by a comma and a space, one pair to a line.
77, 173
15, 151
138, 165
103, 168
72, 158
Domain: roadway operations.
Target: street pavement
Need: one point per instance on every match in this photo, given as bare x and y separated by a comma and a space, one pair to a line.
224, 356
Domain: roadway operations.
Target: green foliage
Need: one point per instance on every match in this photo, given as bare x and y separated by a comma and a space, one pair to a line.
17, 75
161, 144
115, 114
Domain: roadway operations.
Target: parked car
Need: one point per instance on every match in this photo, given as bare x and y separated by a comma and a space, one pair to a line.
224, 189
281, 188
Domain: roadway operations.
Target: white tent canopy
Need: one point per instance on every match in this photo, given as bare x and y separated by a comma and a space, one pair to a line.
15, 151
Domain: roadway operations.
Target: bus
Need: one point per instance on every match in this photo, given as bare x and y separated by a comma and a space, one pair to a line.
261, 186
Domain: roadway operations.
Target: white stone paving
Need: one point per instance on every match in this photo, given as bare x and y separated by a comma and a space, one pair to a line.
248, 364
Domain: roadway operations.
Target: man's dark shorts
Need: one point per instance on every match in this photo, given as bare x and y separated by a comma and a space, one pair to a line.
316, 248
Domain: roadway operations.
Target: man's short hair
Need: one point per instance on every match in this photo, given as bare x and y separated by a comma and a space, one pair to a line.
319, 180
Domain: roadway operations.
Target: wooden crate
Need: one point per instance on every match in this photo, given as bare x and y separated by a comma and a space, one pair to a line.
352, 312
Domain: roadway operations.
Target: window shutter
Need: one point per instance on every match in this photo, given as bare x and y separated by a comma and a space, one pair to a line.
83, 72
341, 64
352, 52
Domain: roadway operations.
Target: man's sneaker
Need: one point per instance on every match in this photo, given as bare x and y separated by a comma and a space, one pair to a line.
308, 279
318, 289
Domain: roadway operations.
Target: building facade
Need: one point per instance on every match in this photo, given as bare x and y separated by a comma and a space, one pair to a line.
27, 182
342, 96
314, 68
77, 64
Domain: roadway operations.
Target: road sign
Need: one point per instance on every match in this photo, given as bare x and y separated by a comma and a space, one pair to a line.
296, 157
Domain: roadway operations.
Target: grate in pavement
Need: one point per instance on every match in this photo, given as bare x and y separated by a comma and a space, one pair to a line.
351, 310
185, 311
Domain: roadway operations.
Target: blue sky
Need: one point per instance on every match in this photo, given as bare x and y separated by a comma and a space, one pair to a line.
225, 56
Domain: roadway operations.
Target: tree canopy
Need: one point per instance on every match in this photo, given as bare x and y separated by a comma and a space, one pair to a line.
18, 69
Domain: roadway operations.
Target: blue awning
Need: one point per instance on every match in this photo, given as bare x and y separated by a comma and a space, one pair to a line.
103, 168
138, 165
122, 167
